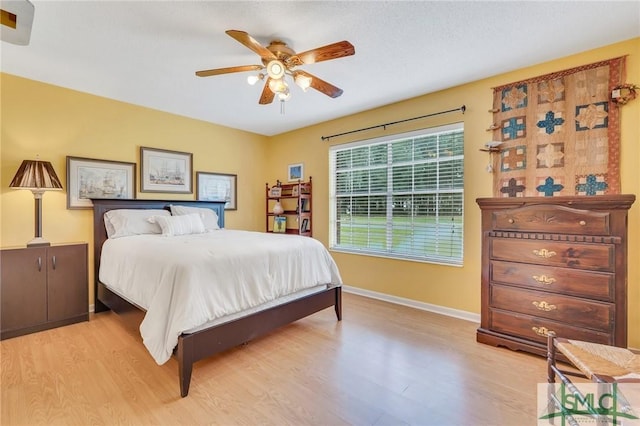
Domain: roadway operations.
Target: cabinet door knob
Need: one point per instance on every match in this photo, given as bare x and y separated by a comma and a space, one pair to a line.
511, 221
582, 223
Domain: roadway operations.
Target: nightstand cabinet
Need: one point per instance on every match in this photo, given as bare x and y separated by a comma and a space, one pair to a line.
554, 264
42, 288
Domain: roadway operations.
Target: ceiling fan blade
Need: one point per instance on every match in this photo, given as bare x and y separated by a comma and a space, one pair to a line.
218, 71
321, 85
324, 53
252, 44
267, 95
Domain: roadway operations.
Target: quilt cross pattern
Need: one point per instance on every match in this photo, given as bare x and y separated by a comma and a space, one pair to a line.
560, 133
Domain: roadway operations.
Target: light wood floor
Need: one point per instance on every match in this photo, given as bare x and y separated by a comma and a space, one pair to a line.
383, 364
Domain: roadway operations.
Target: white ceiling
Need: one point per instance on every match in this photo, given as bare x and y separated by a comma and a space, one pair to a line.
146, 52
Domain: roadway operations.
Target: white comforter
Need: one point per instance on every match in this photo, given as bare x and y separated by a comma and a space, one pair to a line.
186, 281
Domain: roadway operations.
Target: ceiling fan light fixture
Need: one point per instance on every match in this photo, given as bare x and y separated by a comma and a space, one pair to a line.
16, 21
253, 79
278, 86
275, 69
277, 61
302, 81
284, 95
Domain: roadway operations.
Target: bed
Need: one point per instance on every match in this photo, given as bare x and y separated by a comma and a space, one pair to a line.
204, 341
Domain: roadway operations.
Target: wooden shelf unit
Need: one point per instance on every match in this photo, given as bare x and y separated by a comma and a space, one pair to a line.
296, 200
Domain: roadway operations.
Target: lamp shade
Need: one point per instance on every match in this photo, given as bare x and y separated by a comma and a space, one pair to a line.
36, 175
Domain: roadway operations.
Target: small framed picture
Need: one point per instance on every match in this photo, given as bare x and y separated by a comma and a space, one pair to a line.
295, 190
166, 171
89, 178
280, 224
296, 172
305, 225
275, 192
217, 187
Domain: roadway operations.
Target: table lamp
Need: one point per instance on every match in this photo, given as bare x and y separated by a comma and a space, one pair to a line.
37, 176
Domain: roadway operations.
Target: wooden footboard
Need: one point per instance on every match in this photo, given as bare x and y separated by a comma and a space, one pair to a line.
202, 344
210, 341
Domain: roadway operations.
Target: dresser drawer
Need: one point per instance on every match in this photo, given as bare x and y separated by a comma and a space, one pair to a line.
552, 219
596, 257
535, 328
574, 282
575, 311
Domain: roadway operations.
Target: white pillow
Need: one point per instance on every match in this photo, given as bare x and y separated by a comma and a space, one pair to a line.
208, 216
126, 222
179, 225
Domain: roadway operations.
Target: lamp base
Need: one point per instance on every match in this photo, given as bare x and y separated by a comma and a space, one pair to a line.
38, 242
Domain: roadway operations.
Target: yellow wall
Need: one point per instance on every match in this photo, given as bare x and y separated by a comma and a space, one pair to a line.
455, 287
54, 122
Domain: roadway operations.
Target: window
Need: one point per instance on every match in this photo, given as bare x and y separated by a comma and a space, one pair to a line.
400, 196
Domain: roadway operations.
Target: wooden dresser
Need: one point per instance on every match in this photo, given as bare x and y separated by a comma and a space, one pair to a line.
554, 264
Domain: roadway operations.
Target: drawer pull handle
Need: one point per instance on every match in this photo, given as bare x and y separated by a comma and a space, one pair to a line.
511, 220
544, 253
53, 261
542, 331
544, 306
582, 223
39, 264
543, 279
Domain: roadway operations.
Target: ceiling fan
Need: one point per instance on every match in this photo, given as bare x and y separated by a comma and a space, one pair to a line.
279, 60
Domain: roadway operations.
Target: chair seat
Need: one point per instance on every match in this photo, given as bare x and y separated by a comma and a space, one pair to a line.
601, 362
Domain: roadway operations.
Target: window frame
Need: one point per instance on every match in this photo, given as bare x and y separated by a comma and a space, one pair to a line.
389, 194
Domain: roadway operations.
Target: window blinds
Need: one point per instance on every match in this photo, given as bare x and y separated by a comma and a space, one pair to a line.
400, 196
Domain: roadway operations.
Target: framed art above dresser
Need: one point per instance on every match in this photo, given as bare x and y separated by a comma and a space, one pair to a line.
554, 264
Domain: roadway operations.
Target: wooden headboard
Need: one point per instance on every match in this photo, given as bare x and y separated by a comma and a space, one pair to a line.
101, 206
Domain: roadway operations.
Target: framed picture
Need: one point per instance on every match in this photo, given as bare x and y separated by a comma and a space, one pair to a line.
275, 192
217, 187
295, 191
90, 178
305, 225
166, 171
296, 172
280, 224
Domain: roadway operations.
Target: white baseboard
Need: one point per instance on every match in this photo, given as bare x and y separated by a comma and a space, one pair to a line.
450, 312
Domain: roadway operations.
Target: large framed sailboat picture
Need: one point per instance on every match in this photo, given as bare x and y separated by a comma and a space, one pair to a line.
217, 187
89, 178
166, 171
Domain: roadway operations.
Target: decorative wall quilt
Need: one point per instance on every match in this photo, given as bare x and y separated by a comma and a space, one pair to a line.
560, 133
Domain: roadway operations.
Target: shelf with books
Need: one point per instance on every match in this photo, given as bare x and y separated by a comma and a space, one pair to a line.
292, 203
